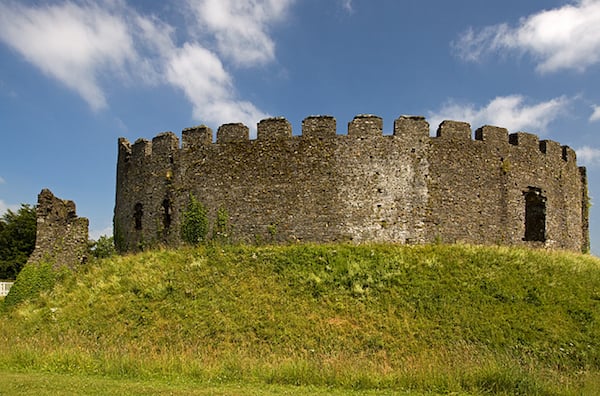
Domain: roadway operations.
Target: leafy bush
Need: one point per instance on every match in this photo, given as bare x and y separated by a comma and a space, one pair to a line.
33, 279
194, 226
221, 228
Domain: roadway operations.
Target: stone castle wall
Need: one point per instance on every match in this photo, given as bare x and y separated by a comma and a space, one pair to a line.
319, 186
61, 236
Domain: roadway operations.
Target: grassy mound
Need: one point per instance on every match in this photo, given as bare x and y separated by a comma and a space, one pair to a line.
426, 318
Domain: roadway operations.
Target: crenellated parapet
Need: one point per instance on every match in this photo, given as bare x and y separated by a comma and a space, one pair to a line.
407, 128
321, 185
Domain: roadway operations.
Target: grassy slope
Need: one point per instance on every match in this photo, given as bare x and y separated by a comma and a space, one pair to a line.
431, 318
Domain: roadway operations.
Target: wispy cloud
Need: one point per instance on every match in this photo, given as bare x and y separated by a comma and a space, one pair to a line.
72, 43
96, 234
596, 114
84, 44
510, 112
562, 38
240, 27
2, 181
589, 156
347, 6
201, 76
4, 207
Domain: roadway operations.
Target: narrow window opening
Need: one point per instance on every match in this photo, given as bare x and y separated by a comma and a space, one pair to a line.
167, 210
535, 215
138, 213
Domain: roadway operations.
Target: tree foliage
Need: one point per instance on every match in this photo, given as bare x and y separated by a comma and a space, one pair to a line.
104, 247
17, 240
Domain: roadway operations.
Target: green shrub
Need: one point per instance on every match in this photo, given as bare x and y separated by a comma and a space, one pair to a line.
221, 228
194, 226
33, 279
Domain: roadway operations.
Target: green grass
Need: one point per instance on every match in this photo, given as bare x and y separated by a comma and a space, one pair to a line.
42, 384
432, 319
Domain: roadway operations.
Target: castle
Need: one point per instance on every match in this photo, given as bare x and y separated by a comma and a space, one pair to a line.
319, 186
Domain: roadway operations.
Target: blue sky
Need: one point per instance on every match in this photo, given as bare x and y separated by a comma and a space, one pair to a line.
76, 75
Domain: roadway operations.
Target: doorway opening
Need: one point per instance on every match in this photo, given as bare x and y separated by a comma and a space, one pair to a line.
535, 215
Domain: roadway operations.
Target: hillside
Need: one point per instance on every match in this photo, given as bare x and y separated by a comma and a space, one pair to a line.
422, 318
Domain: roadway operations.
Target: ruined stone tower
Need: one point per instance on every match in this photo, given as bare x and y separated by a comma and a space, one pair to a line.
407, 187
61, 236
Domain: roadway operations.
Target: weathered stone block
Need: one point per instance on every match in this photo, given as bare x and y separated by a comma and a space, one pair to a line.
273, 129
230, 133
365, 125
319, 127
196, 137
454, 130
409, 128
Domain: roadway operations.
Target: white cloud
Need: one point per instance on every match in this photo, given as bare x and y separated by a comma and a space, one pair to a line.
200, 74
96, 234
240, 27
588, 156
505, 111
82, 44
72, 43
347, 6
596, 114
4, 207
2, 181
563, 38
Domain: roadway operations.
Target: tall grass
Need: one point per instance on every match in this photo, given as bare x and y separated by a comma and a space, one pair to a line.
485, 320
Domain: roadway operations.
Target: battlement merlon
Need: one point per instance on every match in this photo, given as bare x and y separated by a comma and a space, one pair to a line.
277, 128
196, 137
124, 150
528, 141
164, 145
365, 125
492, 134
319, 126
141, 149
408, 127
454, 131
569, 155
552, 149
232, 133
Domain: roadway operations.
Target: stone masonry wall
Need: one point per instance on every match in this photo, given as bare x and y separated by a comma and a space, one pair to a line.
61, 236
320, 186
478, 187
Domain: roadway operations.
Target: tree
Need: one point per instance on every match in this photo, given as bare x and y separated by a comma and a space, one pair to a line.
17, 240
104, 247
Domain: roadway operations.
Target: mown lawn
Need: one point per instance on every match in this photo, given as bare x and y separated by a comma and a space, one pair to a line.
42, 384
